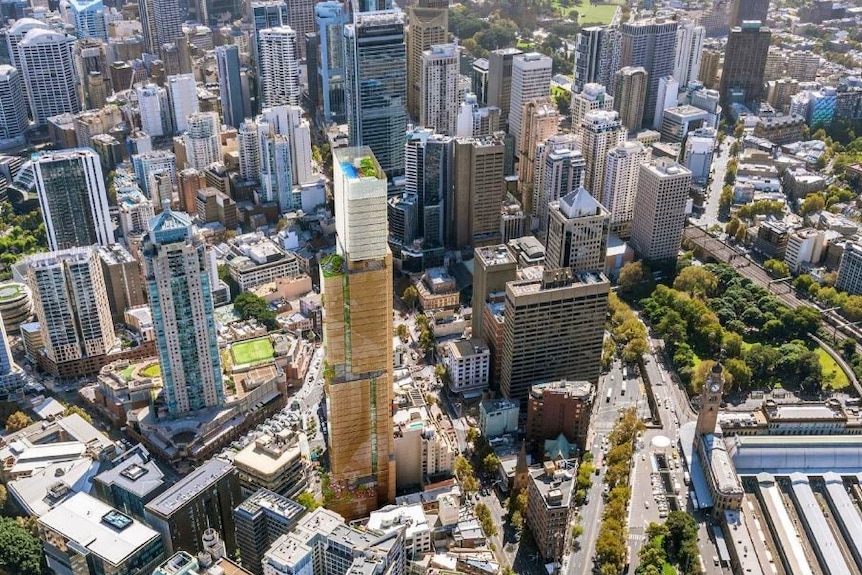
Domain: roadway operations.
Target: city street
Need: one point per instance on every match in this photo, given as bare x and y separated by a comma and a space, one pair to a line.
719, 166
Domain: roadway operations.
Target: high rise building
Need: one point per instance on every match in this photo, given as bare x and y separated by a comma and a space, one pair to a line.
500, 64
288, 121
202, 140
10, 374
439, 94
264, 14
803, 66
428, 22
475, 121
663, 187
178, 277
276, 181
150, 163
631, 87
553, 329
300, 18
577, 233
16, 32
554, 143
279, 67
744, 64
230, 85
71, 304
650, 44
668, 92
45, 59
564, 172
601, 132
260, 520
473, 214
710, 64
154, 110
744, 10
88, 17
73, 198
357, 334
531, 78
428, 174
183, 98
248, 146
161, 22
13, 106
493, 267
376, 86
592, 97
622, 169
689, 48
331, 17
541, 121
593, 50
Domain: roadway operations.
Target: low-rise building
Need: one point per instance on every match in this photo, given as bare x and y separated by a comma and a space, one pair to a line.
679, 121
412, 518
134, 481
780, 129
123, 386
800, 182
272, 462
255, 259
550, 509
559, 407
437, 290
423, 454
772, 236
498, 417
182, 563
805, 248
468, 363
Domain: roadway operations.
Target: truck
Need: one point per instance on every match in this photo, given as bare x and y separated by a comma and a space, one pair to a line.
686, 478
610, 394
676, 487
597, 461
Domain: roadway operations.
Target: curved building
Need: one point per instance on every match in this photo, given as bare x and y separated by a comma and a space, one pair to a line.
16, 305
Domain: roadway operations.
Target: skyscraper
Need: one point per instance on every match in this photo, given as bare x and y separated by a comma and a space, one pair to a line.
601, 132
439, 90
473, 214
300, 19
590, 59
743, 10
45, 59
564, 170
577, 233
689, 49
531, 78
744, 64
663, 187
668, 92
183, 98
230, 85
429, 26
331, 17
276, 180
16, 32
154, 110
428, 174
88, 17
541, 121
650, 44
592, 97
73, 198
710, 64
631, 87
202, 140
500, 79
10, 374
161, 22
376, 86
279, 67
248, 146
621, 184
13, 106
357, 334
177, 273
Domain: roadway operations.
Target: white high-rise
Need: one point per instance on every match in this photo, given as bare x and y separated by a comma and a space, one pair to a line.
531, 78
10, 374
593, 97
202, 140
689, 51
248, 146
46, 64
663, 190
438, 92
279, 67
601, 131
88, 17
183, 96
13, 107
621, 184
73, 198
16, 32
154, 110
276, 183
668, 92
564, 172
577, 233
299, 134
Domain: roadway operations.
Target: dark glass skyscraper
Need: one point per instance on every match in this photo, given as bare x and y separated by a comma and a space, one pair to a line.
331, 18
230, 89
743, 10
652, 45
744, 63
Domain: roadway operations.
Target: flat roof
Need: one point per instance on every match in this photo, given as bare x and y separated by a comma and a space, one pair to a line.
135, 475
820, 534
845, 510
190, 486
257, 457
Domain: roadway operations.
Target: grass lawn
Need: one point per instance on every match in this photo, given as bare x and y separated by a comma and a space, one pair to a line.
252, 351
832, 372
667, 569
127, 373
590, 13
153, 370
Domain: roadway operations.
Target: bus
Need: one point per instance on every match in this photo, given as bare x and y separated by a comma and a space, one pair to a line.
610, 394
597, 461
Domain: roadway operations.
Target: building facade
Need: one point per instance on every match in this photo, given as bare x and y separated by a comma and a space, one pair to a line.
578, 227
663, 189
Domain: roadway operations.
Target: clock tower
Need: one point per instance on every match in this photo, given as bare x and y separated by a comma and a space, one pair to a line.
710, 400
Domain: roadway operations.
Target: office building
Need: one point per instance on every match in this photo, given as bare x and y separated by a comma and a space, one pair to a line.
531, 78
850, 271
439, 92
260, 521
10, 374
560, 407
149, 164
154, 110
550, 509
45, 60
358, 344
202, 500
744, 64
500, 64
678, 121
577, 233
479, 80
95, 538
593, 97
428, 22
122, 274
493, 267
552, 329
279, 67
71, 304
183, 98
595, 48
331, 16
161, 22
376, 86
230, 85
13, 107
16, 32
134, 481
254, 260
710, 64
498, 417
272, 462
631, 88
650, 44
698, 154
300, 18
564, 172
178, 277
88, 17
601, 132
803, 66
473, 214
72, 198
468, 363
475, 121
668, 93
541, 120
202, 140
663, 187
689, 48
743, 10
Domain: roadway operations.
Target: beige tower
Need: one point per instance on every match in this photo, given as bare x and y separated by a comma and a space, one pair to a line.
710, 64
601, 132
631, 87
474, 213
663, 189
429, 25
541, 120
356, 285
593, 97
577, 233
713, 388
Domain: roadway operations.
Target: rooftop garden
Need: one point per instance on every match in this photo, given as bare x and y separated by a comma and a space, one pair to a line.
367, 169
11, 291
252, 351
332, 265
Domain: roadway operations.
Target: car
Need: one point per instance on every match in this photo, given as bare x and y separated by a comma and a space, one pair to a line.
646, 503
643, 456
